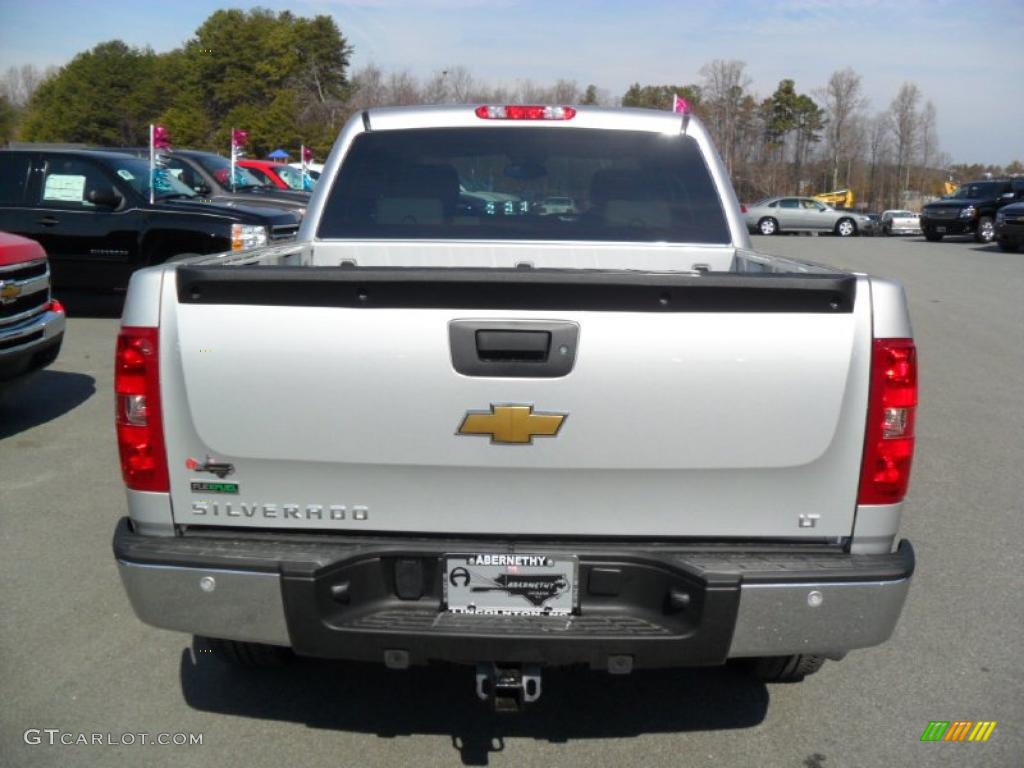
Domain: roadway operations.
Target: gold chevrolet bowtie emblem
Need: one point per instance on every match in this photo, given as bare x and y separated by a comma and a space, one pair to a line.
9, 292
516, 424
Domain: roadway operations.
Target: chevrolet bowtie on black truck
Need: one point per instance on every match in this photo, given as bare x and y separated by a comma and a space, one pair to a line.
971, 210
428, 431
91, 212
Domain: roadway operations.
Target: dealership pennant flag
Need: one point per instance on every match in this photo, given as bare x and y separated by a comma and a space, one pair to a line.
679, 104
306, 154
239, 139
159, 146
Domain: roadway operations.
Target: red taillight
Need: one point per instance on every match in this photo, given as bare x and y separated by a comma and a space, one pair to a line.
889, 440
140, 433
519, 112
56, 306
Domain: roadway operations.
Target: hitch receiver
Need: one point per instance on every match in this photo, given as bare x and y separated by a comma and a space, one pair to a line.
508, 688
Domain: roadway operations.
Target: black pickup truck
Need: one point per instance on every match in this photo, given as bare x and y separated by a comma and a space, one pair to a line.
971, 210
91, 212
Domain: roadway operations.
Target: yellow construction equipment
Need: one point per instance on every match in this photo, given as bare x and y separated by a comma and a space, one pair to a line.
841, 198
949, 187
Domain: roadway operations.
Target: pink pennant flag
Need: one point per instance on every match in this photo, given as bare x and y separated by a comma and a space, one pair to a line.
307, 154
161, 137
679, 104
239, 138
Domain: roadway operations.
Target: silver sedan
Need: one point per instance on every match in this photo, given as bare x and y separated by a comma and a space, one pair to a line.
775, 215
901, 223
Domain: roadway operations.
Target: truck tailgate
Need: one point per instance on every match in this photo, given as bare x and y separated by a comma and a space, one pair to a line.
696, 405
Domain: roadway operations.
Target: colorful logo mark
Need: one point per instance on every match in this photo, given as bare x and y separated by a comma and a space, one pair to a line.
958, 730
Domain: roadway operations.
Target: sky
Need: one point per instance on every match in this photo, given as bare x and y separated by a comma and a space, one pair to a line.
967, 57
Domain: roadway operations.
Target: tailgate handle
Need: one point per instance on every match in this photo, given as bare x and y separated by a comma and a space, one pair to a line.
513, 345
513, 348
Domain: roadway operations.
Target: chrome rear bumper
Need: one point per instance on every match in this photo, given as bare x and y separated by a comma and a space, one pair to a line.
283, 591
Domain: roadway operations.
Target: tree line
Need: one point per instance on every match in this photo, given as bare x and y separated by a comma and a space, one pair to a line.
280, 76
286, 80
825, 140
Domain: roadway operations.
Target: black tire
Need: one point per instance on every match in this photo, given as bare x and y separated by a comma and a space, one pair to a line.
886, 231
244, 654
846, 227
786, 669
932, 237
1009, 247
986, 231
768, 226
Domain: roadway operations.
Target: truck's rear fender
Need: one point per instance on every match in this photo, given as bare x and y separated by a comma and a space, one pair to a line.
876, 525
150, 512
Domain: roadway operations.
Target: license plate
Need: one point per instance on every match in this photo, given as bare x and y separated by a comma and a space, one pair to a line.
940, 229
503, 583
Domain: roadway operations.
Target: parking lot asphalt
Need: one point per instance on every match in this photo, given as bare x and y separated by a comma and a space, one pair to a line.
73, 657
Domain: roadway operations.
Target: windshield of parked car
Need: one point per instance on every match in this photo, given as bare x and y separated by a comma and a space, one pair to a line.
136, 172
483, 183
976, 191
220, 168
293, 178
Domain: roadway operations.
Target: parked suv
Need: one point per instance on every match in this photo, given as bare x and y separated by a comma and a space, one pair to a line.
1010, 227
91, 213
971, 210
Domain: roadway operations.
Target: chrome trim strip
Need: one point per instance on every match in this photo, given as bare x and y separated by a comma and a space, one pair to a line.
23, 265
243, 605
31, 284
779, 619
51, 323
26, 315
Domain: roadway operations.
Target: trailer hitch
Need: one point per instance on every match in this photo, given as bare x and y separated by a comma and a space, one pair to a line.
508, 688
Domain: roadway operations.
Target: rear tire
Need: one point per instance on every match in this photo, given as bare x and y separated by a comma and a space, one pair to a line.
932, 237
245, 654
846, 228
768, 226
786, 669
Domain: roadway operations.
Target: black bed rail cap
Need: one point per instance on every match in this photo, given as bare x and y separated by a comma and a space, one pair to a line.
533, 289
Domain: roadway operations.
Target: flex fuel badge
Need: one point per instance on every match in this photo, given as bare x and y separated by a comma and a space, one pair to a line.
204, 486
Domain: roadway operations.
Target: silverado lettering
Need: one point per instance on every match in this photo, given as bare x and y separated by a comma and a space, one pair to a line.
288, 511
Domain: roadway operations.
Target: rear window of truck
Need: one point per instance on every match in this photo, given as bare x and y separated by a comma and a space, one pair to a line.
498, 184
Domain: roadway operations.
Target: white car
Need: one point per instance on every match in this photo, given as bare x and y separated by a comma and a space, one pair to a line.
901, 223
315, 169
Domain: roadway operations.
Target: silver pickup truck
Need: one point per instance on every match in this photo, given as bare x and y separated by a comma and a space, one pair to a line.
448, 424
